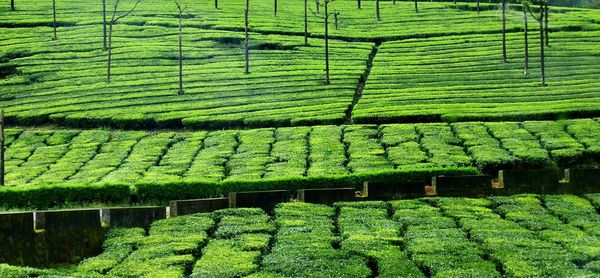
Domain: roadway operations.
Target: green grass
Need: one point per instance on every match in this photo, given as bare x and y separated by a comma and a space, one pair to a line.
510, 236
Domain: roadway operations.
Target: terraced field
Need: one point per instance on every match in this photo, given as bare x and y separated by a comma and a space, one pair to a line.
516, 236
163, 165
63, 82
460, 78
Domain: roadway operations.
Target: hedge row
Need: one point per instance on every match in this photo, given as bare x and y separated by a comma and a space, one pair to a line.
44, 196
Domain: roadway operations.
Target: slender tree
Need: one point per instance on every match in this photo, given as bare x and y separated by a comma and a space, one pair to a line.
246, 39
114, 19
275, 7
181, 10
416, 6
2, 172
377, 10
478, 8
306, 22
325, 17
335, 19
526, 31
12, 5
105, 47
504, 60
542, 54
54, 19
547, 35
216, 4
358, 2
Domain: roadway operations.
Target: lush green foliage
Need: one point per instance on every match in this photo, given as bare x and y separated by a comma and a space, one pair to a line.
511, 236
460, 78
63, 81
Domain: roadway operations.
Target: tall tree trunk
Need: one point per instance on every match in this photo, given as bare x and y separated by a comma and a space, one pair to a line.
394, 2
335, 18
416, 6
2, 172
478, 8
12, 5
110, 29
306, 22
359, 6
246, 39
546, 12
275, 7
377, 8
104, 23
216, 4
54, 19
504, 31
526, 18
542, 54
327, 82
180, 52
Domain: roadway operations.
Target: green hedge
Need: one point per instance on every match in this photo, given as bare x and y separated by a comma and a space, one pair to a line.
41, 197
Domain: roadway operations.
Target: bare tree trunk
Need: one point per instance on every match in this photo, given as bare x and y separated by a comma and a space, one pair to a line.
180, 51
104, 23
54, 19
12, 5
478, 8
416, 6
2, 171
542, 54
526, 17
335, 18
546, 28
377, 8
306, 22
504, 31
216, 4
359, 5
246, 53
327, 82
110, 29
275, 7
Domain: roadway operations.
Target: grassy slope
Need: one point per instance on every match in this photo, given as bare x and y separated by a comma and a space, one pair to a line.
62, 81
38, 157
517, 236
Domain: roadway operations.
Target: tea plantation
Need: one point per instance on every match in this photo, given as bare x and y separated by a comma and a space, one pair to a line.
516, 236
179, 105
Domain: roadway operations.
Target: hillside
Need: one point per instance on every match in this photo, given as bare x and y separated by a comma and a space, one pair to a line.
440, 64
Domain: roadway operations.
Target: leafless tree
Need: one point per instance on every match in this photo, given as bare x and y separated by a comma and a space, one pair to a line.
306, 22
542, 53
115, 18
246, 39
181, 10
54, 19
325, 17
526, 31
336, 14
2, 172
105, 47
546, 12
504, 7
